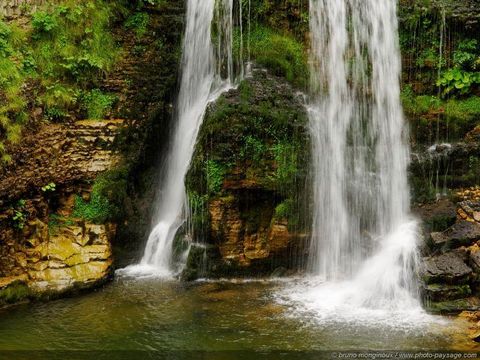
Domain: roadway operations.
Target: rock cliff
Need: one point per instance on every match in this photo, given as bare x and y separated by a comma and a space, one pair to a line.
46, 247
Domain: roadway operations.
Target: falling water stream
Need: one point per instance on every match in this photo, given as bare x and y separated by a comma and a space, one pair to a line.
364, 241
207, 71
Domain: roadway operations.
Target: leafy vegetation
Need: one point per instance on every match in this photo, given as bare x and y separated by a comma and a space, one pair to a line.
50, 187
281, 53
67, 50
456, 116
19, 217
215, 174
138, 22
97, 104
106, 199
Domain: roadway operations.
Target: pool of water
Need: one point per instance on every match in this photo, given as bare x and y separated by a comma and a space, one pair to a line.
151, 314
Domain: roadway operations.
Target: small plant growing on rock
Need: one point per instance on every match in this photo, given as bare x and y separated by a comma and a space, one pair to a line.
138, 23
97, 104
19, 215
51, 187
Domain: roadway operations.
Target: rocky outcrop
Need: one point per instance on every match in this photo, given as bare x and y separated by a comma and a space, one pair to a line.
463, 233
436, 168
15, 8
248, 181
60, 154
46, 248
450, 270
73, 257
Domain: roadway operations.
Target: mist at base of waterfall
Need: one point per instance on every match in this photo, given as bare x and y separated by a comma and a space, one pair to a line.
378, 293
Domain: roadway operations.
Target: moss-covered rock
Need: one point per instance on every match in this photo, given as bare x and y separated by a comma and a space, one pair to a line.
453, 306
248, 179
14, 292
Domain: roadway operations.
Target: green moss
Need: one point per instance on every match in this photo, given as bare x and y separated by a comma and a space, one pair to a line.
15, 292
279, 52
106, 200
453, 117
199, 216
286, 161
288, 16
138, 22
215, 175
97, 104
56, 222
452, 306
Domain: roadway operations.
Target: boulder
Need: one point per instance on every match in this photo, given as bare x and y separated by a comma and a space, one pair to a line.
441, 292
445, 268
463, 233
474, 259
453, 306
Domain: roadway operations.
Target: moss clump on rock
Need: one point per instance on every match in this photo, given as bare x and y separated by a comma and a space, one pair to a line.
14, 293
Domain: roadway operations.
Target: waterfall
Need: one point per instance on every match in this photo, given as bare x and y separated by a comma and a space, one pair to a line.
364, 242
207, 71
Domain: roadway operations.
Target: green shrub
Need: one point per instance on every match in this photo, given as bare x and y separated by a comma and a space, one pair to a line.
138, 22
467, 54
43, 22
457, 80
97, 104
284, 209
106, 200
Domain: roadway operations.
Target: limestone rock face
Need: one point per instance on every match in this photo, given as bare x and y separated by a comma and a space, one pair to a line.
60, 154
78, 256
241, 239
40, 255
14, 8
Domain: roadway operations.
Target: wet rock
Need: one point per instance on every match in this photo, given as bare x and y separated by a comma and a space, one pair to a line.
279, 272
441, 292
474, 260
453, 306
463, 233
63, 261
447, 268
470, 210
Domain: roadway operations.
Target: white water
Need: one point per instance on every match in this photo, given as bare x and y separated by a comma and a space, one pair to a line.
207, 71
364, 242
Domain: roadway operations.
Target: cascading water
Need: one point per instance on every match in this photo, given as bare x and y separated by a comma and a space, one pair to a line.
206, 72
363, 247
